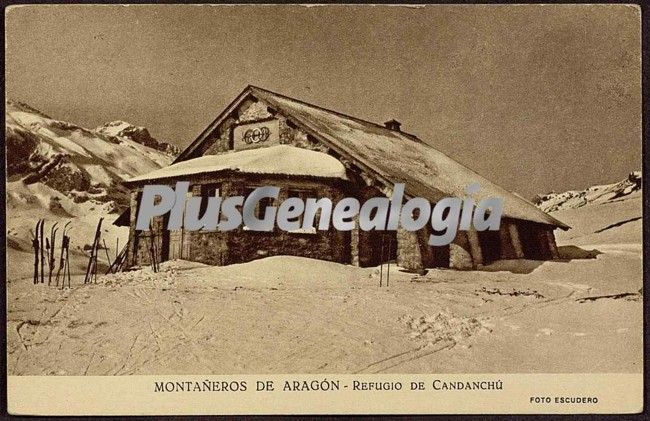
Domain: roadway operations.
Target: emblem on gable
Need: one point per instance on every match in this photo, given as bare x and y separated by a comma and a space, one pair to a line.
256, 135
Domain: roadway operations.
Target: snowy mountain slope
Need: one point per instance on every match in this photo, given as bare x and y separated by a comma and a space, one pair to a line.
60, 172
602, 216
79, 163
572, 199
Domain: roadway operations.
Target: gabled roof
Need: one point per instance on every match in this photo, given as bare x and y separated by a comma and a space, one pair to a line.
388, 155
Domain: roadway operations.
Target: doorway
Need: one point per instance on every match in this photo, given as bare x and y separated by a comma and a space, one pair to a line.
490, 242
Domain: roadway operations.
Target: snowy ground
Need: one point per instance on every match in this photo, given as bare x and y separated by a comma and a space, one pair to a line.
26, 204
289, 315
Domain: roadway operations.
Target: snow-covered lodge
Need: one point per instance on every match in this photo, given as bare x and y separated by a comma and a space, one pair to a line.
266, 139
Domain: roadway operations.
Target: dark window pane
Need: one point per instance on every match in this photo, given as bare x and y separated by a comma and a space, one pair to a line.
262, 204
207, 191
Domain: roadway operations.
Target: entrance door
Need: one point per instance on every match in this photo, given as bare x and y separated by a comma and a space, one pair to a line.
176, 244
179, 241
164, 247
490, 245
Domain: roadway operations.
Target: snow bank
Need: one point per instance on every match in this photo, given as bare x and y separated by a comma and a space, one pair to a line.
280, 159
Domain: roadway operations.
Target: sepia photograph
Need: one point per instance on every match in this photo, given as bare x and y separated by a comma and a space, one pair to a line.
360, 190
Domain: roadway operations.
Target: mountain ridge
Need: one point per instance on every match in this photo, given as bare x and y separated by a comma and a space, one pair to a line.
80, 163
603, 193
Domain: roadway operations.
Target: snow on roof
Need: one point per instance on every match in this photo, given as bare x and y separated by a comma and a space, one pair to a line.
279, 159
400, 157
392, 155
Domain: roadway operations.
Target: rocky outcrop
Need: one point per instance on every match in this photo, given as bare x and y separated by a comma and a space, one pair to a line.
572, 199
121, 129
82, 164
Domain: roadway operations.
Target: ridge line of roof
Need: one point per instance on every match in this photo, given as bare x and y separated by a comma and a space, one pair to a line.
251, 88
372, 167
340, 114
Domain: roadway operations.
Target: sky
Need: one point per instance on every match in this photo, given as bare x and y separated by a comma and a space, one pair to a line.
536, 98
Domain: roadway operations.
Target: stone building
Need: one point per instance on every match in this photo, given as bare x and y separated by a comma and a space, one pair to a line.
264, 138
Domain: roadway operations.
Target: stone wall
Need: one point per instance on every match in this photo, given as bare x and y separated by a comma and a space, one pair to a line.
242, 245
209, 247
517, 239
415, 253
408, 250
221, 139
460, 252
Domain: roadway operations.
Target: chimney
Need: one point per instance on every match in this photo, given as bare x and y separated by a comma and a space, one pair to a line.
393, 125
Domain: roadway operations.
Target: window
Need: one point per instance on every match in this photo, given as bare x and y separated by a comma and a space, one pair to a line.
262, 204
304, 195
207, 191
157, 223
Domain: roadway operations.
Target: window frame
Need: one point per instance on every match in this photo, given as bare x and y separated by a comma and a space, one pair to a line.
207, 190
304, 194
